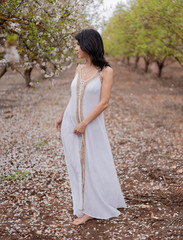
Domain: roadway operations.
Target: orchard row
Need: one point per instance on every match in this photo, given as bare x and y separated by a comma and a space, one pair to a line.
149, 29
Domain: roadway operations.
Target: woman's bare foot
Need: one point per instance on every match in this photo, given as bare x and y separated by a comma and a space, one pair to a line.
81, 220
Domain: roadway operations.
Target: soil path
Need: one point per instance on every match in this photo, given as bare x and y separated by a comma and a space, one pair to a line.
145, 127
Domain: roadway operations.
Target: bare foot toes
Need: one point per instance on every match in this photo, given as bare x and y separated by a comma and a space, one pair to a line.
81, 220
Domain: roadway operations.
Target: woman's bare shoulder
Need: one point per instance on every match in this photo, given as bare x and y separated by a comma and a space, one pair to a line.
107, 72
108, 69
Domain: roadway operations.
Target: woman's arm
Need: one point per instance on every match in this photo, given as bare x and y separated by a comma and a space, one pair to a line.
107, 80
107, 77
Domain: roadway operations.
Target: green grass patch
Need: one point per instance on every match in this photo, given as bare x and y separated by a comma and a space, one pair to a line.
42, 142
17, 175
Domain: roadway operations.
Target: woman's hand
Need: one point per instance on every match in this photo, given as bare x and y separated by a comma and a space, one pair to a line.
59, 122
80, 128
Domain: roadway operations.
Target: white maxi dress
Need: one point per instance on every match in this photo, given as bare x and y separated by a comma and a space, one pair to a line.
94, 182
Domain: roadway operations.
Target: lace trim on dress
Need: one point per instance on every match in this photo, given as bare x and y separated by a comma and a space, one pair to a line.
81, 86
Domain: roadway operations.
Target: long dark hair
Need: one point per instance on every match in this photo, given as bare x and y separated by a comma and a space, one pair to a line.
91, 42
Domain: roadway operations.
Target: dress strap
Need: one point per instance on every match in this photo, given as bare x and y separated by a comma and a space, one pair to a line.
100, 73
78, 69
102, 70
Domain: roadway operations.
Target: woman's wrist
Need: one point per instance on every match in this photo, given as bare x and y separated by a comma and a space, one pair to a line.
62, 114
85, 122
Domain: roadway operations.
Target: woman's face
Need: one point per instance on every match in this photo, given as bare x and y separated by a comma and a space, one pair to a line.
80, 53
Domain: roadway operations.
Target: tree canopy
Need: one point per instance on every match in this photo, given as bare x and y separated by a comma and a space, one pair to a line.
44, 30
149, 29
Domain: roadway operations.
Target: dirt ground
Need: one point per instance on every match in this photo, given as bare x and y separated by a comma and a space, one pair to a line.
144, 122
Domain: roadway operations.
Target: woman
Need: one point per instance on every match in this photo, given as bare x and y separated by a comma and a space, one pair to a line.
96, 192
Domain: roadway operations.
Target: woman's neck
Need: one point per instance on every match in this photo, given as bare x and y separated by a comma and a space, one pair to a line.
88, 63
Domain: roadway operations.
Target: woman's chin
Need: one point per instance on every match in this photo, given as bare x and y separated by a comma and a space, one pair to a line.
79, 57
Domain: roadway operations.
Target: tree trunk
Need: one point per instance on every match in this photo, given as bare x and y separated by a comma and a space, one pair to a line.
147, 66
4, 69
160, 67
128, 60
136, 62
27, 75
147, 62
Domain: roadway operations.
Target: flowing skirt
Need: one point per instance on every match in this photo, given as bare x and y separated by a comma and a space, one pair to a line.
102, 191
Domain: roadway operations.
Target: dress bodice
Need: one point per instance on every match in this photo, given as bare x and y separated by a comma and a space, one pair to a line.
85, 94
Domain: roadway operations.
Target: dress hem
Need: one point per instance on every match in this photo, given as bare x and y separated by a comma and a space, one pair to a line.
91, 215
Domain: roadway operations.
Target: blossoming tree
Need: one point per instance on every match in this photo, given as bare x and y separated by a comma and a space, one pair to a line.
41, 31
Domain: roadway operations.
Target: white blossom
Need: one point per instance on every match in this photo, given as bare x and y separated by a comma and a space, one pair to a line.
12, 55
63, 31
